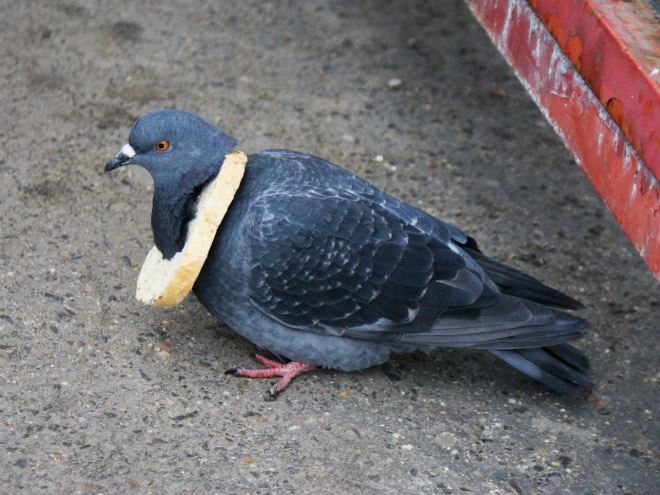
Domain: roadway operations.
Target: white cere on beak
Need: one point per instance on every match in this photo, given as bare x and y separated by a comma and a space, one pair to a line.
127, 150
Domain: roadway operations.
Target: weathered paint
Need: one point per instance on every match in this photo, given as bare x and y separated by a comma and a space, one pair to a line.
597, 143
615, 46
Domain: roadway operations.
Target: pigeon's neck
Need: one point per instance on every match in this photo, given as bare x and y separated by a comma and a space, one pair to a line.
172, 209
166, 223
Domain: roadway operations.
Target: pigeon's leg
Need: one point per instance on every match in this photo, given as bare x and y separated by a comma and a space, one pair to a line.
268, 363
274, 368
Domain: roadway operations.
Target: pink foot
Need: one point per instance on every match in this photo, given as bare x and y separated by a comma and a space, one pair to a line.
273, 368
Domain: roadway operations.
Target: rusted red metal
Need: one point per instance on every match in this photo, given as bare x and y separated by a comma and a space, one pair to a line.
615, 46
549, 70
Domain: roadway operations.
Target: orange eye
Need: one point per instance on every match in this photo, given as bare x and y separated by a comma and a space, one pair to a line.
162, 145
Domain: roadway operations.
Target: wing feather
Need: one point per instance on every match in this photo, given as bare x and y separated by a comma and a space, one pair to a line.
350, 260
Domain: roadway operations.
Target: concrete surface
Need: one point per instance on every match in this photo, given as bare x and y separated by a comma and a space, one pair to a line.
100, 394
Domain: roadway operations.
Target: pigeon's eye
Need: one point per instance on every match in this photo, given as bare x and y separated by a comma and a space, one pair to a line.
162, 145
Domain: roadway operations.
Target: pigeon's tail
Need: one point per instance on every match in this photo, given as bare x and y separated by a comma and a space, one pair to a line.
516, 283
559, 367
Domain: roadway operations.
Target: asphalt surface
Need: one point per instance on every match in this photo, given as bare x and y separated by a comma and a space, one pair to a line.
102, 395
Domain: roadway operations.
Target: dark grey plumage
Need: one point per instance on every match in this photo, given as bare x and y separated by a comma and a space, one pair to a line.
317, 265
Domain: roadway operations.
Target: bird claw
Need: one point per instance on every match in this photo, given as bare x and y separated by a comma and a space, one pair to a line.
286, 371
273, 394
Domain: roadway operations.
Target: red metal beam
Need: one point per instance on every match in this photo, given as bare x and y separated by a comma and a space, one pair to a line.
615, 46
598, 144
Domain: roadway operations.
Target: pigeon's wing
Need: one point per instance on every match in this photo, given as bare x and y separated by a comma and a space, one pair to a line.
331, 254
332, 261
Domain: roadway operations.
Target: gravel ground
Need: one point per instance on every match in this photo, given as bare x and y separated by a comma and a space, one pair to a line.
103, 395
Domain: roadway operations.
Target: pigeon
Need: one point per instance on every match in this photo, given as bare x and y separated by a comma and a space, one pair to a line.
322, 269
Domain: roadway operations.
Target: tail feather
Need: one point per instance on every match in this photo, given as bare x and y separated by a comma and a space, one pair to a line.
551, 364
570, 355
562, 373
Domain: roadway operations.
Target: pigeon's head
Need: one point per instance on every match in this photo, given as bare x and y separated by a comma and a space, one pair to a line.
174, 143
182, 152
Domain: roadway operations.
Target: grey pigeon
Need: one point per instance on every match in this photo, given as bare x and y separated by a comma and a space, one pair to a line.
323, 269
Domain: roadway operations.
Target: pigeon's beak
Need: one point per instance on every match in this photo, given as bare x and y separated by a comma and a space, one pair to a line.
122, 158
